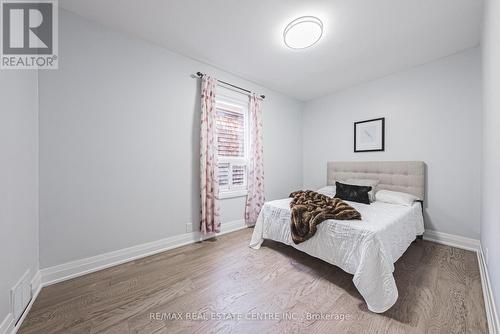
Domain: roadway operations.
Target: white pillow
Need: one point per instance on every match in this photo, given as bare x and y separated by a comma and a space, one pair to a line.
328, 191
367, 183
395, 197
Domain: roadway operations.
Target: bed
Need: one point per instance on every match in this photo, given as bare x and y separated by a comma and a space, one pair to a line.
368, 248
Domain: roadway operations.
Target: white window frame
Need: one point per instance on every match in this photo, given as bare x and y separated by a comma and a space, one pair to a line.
237, 106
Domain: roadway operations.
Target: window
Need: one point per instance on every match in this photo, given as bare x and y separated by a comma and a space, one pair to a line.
232, 133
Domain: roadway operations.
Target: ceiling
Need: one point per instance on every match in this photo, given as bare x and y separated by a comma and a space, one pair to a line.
362, 40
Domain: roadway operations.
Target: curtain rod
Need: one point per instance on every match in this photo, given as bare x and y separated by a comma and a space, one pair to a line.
227, 83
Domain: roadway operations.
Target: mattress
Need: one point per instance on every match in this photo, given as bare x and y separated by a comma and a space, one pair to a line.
367, 248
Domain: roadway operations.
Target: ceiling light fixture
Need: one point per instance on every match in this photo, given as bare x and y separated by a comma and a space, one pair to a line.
303, 32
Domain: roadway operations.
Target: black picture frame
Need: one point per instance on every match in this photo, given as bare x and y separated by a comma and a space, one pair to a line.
382, 148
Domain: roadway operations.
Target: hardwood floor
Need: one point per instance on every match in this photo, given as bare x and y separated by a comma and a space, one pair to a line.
439, 292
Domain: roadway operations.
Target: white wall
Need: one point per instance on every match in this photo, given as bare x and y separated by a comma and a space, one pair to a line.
18, 180
490, 221
119, 144
433, 113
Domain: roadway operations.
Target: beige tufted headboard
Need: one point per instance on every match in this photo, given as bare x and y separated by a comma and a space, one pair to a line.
405, 176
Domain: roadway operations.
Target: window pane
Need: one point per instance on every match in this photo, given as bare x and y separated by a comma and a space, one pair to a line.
230, 133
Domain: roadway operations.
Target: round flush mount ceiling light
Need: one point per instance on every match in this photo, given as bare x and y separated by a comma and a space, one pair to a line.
303, 32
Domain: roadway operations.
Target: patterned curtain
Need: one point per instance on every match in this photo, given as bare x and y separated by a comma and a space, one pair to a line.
210, 219
255, 198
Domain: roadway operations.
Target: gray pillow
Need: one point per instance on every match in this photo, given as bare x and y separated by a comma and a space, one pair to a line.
365, 182
329, 191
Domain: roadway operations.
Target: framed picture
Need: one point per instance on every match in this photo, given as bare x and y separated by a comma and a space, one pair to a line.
369, 136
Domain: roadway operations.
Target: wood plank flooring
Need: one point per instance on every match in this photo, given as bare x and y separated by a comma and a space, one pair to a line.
226, 287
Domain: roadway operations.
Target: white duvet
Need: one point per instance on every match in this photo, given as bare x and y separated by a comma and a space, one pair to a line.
367, 248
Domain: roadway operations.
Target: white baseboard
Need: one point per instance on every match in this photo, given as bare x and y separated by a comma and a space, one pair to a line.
8, 326
489, 302
88, 265
452, 240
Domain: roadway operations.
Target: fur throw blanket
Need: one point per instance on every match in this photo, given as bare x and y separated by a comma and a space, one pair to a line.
310, 208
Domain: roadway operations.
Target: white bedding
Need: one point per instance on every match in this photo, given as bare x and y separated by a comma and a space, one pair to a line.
367, 248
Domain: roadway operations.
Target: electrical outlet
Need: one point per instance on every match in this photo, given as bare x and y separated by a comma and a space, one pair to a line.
189, 227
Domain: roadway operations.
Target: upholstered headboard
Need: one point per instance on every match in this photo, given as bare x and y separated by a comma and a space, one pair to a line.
405, 176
